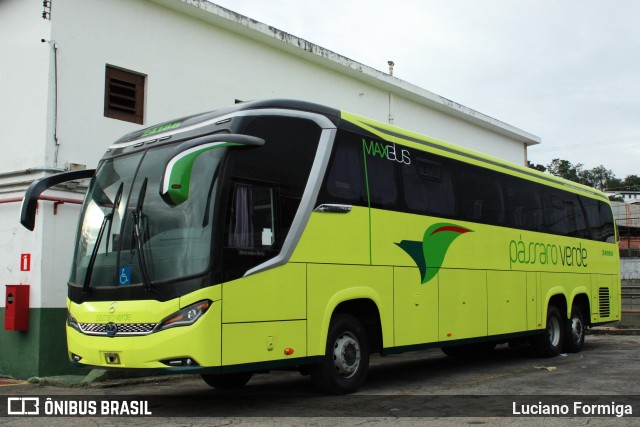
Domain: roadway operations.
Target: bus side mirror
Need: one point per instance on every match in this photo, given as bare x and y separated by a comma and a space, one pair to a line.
174, 187
30, 201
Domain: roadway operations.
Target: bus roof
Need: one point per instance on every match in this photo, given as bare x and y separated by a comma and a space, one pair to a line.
380, 129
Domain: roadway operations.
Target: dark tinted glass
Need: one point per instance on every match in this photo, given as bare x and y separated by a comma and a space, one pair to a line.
480, 195
408, 180
267, 186
428, 186
345, 179
384, 180
523, 204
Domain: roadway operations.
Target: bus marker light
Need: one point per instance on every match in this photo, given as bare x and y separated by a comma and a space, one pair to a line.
449, 334
288, 351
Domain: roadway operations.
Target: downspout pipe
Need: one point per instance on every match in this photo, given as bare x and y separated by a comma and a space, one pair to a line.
56, 140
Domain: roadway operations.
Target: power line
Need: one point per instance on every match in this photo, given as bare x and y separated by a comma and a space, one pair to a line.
586, 145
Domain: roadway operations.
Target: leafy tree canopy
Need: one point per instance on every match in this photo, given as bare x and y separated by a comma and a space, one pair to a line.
599, 177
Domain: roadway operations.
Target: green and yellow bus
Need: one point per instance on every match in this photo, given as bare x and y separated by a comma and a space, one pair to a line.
283, 234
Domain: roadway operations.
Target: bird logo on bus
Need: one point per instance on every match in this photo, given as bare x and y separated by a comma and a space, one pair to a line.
430, 252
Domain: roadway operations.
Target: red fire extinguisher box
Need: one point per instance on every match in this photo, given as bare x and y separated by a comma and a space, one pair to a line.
16, 313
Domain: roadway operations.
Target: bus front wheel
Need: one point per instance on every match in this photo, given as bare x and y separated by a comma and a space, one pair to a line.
549, 343
346, 359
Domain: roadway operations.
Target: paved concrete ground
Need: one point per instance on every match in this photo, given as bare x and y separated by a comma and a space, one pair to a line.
407, 389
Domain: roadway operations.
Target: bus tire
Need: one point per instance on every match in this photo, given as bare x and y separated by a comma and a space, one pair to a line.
575, 331
346, 359
227, 381
551, 341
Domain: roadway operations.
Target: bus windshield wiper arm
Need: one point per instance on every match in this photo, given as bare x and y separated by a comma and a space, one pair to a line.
94, 253
116, 204
137, 231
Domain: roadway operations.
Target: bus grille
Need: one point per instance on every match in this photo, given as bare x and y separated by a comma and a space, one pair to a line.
605, 302
123, 328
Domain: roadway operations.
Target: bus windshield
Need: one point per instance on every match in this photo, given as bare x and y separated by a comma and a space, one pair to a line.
124, 215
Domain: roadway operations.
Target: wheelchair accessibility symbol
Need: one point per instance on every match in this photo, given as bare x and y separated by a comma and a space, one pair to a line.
124, 275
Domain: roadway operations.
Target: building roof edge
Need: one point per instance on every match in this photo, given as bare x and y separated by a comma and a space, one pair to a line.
248, 27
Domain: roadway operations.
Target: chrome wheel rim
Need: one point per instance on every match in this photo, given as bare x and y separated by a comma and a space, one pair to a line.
577, 330
346, 355
554, 331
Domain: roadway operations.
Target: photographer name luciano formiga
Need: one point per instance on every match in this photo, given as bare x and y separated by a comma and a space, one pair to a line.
577, 409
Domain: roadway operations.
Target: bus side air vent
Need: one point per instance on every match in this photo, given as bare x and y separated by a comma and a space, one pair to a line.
604, 301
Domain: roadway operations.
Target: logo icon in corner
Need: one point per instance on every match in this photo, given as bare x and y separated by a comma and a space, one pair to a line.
429, 254
111, 329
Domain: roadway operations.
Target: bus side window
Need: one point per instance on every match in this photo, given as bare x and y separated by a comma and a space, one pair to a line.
524, 209
428, 188
384, 182
607, 229
345, 180
564, 215
592, 215
252, 221
555, 216
481, 196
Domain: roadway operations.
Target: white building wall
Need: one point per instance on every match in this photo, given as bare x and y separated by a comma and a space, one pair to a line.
409, 115
24, 84
191, 65
25, 93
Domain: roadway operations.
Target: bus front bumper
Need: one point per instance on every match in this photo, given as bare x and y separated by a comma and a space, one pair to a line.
192, 346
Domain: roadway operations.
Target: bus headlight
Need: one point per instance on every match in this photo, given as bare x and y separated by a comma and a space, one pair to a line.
72, 322
185, 317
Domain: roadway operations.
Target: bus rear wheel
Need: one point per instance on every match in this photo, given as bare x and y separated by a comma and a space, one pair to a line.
227, 381
550, 343
575, 331
346, 359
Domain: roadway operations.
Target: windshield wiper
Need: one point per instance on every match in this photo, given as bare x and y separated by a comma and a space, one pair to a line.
94, 253
116, 204
137, 232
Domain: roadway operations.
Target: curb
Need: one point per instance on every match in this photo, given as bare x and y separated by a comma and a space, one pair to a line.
100, 378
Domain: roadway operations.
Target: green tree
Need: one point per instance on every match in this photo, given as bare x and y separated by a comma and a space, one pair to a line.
631, 182
599, 177
564, 169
